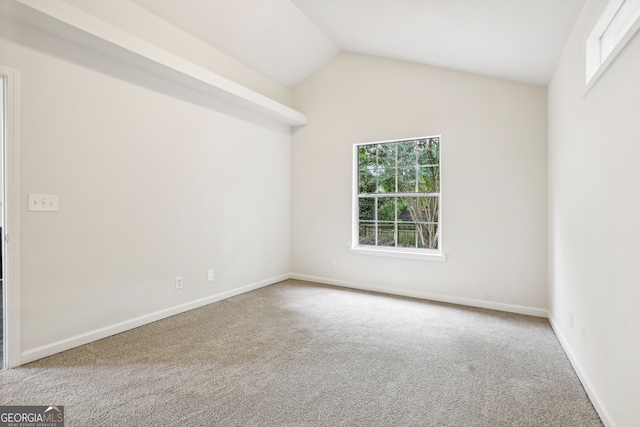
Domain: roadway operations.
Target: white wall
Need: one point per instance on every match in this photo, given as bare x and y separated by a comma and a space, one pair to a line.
154, 180
493, 174
594, 228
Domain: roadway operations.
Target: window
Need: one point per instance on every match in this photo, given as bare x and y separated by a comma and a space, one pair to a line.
619, 21
397, 196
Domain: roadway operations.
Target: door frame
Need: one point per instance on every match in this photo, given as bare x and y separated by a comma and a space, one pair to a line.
11, 226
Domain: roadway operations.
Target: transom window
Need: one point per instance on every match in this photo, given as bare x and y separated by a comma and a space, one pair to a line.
397, 203
617, 24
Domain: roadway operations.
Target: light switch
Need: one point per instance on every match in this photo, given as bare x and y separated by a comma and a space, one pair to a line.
43, 203
51, 203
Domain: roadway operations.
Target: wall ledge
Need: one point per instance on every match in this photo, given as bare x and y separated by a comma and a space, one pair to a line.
63, 20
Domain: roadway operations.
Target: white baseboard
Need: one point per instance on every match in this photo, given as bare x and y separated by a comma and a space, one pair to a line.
491, 305
78, 340
595, 399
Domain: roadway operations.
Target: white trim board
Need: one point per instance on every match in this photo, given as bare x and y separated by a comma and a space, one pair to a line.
605, 416
491, 305
11, 285
107, 331
63, 20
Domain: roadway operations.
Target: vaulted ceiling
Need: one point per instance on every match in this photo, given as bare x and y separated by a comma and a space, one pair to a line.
287, 40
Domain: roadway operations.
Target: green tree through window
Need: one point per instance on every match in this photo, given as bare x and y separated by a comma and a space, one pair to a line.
398, 193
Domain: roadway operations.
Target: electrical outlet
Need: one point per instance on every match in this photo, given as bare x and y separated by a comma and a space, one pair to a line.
583, 332
571, 320
334, 263
179, 283
210, 275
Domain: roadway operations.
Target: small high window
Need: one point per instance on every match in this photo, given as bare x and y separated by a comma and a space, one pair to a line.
619, 21
397, 195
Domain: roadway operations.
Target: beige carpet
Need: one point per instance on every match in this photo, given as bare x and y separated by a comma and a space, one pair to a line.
300, 354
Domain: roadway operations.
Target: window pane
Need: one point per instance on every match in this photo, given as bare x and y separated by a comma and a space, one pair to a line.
386, 209
367, 181
407, 179
429, 179
427, 209
410, 204
366, 209
428, 151
367, 233
619, 26
387, 154
407, 153
403, 211
407, 235
428, 236
366, 156
386, 234
386, 180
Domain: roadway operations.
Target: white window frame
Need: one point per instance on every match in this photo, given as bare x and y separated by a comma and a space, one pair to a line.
617, 24
392, 251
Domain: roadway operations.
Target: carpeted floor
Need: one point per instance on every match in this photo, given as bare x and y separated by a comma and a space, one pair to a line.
301, 354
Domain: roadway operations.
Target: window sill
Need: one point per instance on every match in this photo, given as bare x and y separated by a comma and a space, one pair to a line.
399, 253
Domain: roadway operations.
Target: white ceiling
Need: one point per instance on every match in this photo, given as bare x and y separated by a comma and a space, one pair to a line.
287, 40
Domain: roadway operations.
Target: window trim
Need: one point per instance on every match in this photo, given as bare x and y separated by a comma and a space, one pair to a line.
405, 253
595, 66
392, 251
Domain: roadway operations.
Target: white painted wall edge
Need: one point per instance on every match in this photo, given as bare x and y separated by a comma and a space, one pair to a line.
63, 20
491, 305
11, 288
107, 331
593, 396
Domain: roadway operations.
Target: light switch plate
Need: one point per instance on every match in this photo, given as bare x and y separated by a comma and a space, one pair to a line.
43, 203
